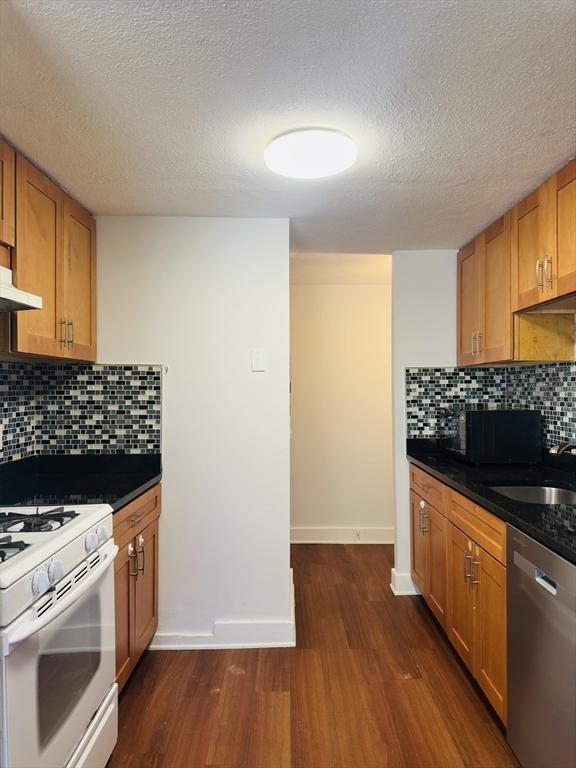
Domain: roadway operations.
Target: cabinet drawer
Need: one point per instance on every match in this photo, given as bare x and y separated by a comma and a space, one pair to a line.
487, 530
426, 486
134, 517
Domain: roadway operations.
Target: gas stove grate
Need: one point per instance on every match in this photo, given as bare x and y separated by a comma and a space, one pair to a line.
9, 548
40, 522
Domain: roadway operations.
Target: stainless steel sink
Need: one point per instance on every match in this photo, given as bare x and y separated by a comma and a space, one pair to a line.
536, 494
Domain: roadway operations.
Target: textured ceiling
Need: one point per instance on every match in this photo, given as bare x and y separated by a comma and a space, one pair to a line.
459, 107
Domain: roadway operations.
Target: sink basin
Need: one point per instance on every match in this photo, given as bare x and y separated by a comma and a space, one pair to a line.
536, 494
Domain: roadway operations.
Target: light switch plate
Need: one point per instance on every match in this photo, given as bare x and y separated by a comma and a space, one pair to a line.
258, 362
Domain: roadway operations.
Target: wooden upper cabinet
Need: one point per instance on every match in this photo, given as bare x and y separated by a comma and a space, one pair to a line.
55, 257
37, 257
496, 329
78, 281
469, 302
484, 313
565, 183
7, 195
544, 241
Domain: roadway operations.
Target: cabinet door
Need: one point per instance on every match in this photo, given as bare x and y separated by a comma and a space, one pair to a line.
78, 281
36, 259
436, 526
566, 229
469, 303
124, 583
533, 244
489, 585
419, 542
7, 197
460, 597
496, 331
146, 605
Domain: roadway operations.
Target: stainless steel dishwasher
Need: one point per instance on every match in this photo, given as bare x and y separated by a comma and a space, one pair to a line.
541, 654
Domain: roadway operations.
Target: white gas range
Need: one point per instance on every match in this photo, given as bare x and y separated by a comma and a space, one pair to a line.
59, 698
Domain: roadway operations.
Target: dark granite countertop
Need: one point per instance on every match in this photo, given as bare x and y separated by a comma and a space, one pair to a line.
108, 478
553, 526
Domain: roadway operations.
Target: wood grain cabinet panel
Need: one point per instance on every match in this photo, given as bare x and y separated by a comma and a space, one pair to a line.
419, 543
78, 282
55, 258
124, 574
146, 607
429, 567
469, 304
566, 229
460, 596
136, 531
7, 197
436, 528
36, 260
496, 332
489, 585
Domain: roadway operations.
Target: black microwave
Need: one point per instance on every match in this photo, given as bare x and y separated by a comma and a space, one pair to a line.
497, 437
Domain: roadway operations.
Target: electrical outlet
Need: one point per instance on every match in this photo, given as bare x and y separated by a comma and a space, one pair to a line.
357, 534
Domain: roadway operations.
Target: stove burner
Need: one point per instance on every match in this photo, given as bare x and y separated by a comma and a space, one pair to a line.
35, 523
9, 548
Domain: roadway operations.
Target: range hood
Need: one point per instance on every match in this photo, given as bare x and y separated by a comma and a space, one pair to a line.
11, 298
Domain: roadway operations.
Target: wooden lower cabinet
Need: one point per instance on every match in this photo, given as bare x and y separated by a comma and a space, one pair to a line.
463, 584
477, 614
429, 554
489, 581
136, 580
419, 543
460, 602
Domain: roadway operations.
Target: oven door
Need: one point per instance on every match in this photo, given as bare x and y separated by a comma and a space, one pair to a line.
58, 668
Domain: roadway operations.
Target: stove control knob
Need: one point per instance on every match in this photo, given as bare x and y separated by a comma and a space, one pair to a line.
40, 582
102, 534
55, 571
91, 542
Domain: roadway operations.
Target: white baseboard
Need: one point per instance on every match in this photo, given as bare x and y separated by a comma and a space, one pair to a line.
341, 535
402, 584
233, 634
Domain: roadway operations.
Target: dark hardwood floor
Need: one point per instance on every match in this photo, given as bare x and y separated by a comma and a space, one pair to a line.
372, 684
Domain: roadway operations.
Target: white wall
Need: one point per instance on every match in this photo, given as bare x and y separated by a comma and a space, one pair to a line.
197, 295
340, 353
423, 334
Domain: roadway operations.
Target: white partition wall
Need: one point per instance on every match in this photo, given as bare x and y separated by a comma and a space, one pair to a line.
199, 296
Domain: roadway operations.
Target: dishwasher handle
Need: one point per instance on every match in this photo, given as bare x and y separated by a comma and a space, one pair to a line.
545, 581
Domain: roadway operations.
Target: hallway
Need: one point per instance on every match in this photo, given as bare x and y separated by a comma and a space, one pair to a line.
373, 683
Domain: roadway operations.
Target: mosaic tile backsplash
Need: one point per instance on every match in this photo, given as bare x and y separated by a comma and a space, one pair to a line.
549, 387
78, 408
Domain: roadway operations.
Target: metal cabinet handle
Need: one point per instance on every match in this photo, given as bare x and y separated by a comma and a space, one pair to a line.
473, 563
133, 554
139, 552
423, 529
539, 274
548, 274
473, 342
62, 325
467, 574
70, 325
478, 345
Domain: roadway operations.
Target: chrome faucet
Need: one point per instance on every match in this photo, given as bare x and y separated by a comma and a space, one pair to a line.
562, 447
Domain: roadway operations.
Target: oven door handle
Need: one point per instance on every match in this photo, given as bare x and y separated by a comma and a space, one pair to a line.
26, 629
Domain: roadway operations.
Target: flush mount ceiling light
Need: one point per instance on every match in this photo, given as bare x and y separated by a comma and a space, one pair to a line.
310, 153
